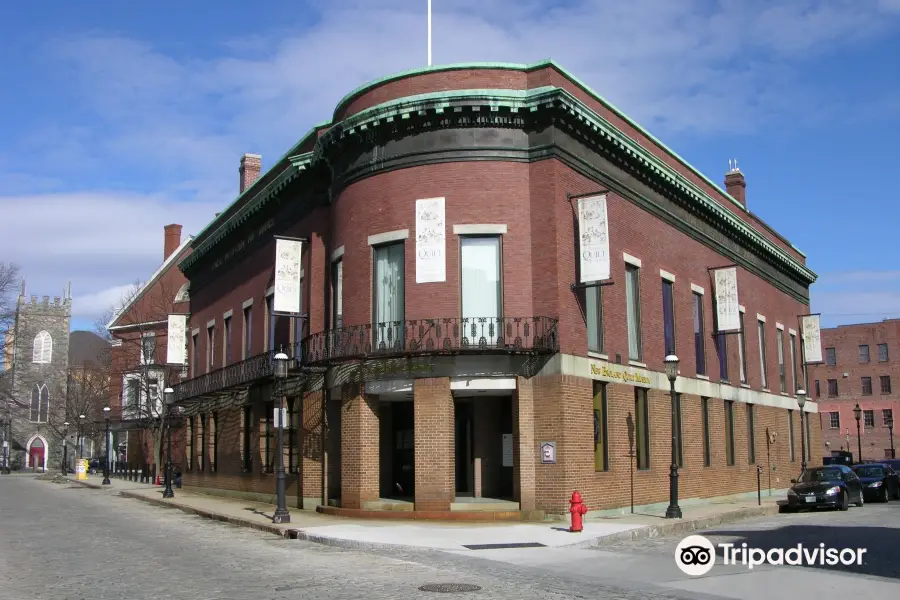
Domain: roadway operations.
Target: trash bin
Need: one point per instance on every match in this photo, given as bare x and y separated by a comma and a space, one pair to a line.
81, 470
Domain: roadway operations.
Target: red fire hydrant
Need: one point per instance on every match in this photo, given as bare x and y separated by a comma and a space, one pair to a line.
578, 510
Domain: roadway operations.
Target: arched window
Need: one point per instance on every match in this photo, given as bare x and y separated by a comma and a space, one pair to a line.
43, 348
40, 403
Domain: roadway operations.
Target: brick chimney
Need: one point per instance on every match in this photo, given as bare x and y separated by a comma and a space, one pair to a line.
251, 165
735, 184
172, 239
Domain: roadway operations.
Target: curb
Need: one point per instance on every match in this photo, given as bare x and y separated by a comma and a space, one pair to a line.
679, 527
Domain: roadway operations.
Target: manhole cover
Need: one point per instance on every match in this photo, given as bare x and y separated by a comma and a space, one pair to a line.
449, 587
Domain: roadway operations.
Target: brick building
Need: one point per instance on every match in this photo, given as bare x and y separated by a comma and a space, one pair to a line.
139, 372
861, 367
447, 341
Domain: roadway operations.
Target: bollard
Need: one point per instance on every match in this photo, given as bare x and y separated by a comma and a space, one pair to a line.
759, 485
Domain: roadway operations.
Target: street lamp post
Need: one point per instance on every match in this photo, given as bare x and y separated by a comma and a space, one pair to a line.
673, 511
106, 480
890, 426
801, 400
169, 396
857, 412
4, 456
281, 368
81, 436
65, 466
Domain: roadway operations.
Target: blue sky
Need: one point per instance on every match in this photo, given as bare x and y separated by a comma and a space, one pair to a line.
120, 117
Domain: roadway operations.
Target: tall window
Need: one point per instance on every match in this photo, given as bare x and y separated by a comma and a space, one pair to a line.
742, 349
227, 340
210, 347
642, 428
601, 443
729, 432
668, 295
195, 354
481, 292
830, 357
887, 416
868, 418
633, 311
795, 372
248, 332
882, 352
885, 384
148, 349
42, 351
834, 420
722, 349
388, 305
832, 387
761, 329
679, 438
246, 431
864, 354
704, 408
593, 308
203, 446
271, 322
213, 441
337, 294
699, 341
751, 435
791, 435
132, 396
866, 386
40, 403
298, 324
782, 371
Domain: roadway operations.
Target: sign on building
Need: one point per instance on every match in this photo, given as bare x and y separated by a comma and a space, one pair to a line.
288, 269
812, 338
593, 237
728, 309
176, 340
431, 241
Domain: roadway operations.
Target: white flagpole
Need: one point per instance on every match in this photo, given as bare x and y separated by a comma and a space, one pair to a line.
429, 33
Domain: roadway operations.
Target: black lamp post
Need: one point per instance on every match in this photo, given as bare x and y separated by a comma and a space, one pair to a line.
169, 397
673, 511
801, 400
890, 426
106, 480
4, 468
281, 368
857, 412
80, 436
65, 465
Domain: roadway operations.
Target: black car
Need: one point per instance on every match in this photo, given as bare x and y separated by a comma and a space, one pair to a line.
893, 463
832, 486
880, 482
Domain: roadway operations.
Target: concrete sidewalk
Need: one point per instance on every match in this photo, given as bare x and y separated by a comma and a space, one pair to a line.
446, 536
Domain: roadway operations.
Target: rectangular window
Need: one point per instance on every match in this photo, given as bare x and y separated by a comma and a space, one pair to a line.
834, 420
148, 350
482, 293
751, 435
195, 355
882, 352
832, 387
818, 389
699, 339
203, 446
742, 349
271, 323
795, 372
729, 432
593, 309
210, 347
213, 441
722, 349
132, 395
866, 386
869, 418
782, 374
704, 408
601, 443
885, 384
299, 324
830, 357
248, 332
246, 429
337, 294
887, 417
267, 437
388, 308
761, 330
668, 296
791, 435
679, 438
642, 428
864, 354
227, 325
633, 312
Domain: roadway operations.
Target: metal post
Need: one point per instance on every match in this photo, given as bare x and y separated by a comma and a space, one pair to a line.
857, 413
802, 443
673, 511
759, 485
106, 480
169, 393
281, 514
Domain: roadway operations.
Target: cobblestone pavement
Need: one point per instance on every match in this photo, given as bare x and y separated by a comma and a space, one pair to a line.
64, 541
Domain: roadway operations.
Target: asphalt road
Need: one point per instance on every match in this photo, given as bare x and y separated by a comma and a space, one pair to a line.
64, 541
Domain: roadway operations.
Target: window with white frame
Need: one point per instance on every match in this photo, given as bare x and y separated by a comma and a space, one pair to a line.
271, 322
795, 372
148, 349
388, 301
633, 311
195, 354
593, 310
834, 420
40, 403
761, 329
42, 351
742, 349
882, 352
868, 418
668, 297
337, 294
210, 347
482, 296
782, 371
227, 340
248, 332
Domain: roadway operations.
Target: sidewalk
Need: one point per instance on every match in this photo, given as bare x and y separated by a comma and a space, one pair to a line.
447, 536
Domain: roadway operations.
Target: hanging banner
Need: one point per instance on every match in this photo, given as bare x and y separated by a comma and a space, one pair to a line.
593, 239
176, 340
727, 305
288, 255
812, 338
431, 242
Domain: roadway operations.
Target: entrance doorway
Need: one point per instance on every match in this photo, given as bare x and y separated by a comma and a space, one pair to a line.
483, 435
465, 447
403, 455
36, 454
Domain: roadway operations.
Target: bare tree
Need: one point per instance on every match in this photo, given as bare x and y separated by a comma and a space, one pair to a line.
9, 280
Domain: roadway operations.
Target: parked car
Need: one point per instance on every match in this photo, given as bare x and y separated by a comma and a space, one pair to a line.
880, 482
893, 463
832, 486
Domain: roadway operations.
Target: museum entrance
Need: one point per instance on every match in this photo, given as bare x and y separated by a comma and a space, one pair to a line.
484, 447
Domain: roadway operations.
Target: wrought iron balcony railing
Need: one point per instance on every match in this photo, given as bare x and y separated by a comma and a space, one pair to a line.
483, 335
233, 376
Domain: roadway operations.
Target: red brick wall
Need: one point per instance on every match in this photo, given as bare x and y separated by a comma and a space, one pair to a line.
434, 444
360, 481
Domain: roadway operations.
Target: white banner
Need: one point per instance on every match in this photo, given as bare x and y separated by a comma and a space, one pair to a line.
176, 340
288, 254
431, 241
593, 238
812, 339
727, 305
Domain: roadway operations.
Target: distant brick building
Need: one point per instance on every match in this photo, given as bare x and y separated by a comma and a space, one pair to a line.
495, 379
862, 365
